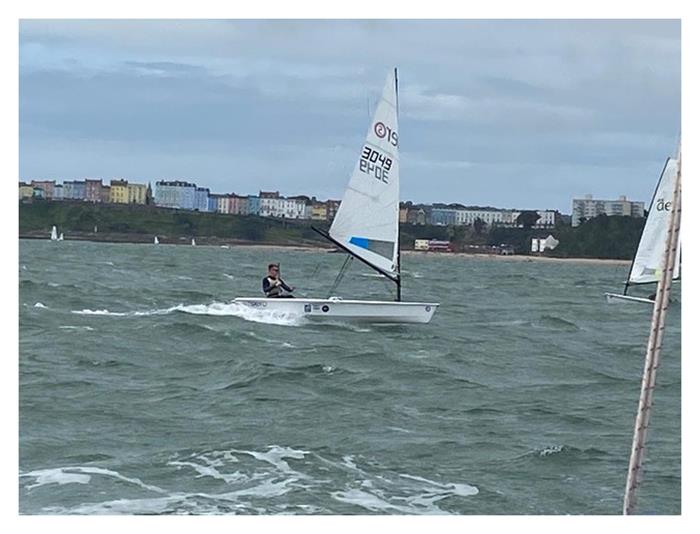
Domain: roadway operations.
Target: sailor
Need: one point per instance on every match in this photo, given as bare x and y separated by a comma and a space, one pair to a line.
273, 286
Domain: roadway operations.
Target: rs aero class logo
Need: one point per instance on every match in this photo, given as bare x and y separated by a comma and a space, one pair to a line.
382, 131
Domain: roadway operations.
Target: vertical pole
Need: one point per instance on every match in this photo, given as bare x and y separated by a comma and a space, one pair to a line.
651, 363
398, 234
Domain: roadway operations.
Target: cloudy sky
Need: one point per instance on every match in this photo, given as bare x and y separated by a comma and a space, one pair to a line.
523, 114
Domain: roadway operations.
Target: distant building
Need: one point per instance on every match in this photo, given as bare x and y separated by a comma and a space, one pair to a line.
417, 215
222, 204
238, 205
175, 194
25, 190
74, 190
58, 192
253, 205
295, 207
105, 193
201, 199
270, 203
212, 202
442, 216
331, 209
118, 191
136, 193
47, 187
403, 214
588, 207
93, 190
319, 211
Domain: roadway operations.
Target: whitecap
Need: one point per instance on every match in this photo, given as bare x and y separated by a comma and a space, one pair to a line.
58, 476
39, 305
236, 309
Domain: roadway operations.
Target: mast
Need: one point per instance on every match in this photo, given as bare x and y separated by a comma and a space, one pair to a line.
398, 207
653, 354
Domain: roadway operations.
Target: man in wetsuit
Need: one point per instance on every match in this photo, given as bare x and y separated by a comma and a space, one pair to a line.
273, 286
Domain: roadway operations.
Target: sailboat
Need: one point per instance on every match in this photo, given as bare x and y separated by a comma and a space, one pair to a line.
60, 237
647, 264
366, 226
54, 234
155, 241
194, 242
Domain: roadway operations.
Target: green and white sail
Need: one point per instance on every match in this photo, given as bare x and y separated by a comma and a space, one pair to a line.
367, 221
648, 261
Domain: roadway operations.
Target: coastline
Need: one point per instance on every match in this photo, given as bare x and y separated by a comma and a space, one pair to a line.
524, 258
222, 242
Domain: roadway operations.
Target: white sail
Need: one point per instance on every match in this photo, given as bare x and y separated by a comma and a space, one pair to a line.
60, 237
367, 221
193, 242
54, 234
155, 240
649, 258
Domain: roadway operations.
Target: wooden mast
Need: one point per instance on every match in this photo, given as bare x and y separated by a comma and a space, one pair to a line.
651, 364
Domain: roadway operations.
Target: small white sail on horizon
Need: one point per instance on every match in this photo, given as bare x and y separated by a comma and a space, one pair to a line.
155, 241
648, 260
193, 242
54, 234
60, 237
367, 221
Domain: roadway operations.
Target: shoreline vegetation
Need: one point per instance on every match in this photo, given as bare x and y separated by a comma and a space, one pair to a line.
603, 240
219, 242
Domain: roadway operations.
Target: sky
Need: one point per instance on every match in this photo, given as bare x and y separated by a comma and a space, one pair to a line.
513, 114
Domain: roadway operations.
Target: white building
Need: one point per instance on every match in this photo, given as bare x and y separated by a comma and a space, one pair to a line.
588, 207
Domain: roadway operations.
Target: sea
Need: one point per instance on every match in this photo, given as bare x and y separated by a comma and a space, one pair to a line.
144, 390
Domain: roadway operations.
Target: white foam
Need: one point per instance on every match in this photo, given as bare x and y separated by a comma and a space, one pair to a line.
55, 476
275, 455
39, 305
211, 471
89, 328
236, 309
67, 475
367, 500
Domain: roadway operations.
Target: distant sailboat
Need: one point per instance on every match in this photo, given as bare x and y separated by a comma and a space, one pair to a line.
60, 237
155, 241
194, 242
647, 264
54, 234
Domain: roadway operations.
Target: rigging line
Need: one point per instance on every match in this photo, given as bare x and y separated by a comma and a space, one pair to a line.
341, 274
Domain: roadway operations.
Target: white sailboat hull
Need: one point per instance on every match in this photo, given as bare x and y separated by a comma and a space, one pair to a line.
614, 297
335, 309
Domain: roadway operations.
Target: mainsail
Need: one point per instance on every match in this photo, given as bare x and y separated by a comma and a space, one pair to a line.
647, 263
367, 221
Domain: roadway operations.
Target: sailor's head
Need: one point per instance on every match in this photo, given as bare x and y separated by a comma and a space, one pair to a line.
273, 270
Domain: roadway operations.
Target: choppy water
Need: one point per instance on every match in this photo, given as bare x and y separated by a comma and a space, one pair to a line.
142, 391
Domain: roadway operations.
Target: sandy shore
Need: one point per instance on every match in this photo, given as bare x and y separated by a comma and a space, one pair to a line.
521, 258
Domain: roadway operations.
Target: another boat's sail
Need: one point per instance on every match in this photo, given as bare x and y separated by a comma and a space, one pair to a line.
194, 243
54, 234
367, 221
648, 261
60, 237
155, 240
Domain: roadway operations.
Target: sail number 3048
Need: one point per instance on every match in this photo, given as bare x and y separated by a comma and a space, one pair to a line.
375, 164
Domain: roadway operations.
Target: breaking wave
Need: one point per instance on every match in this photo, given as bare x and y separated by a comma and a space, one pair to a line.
277, 479
217, 309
